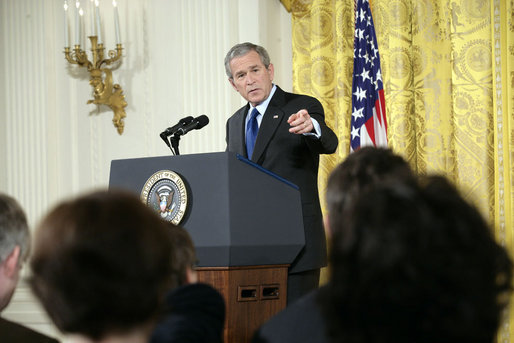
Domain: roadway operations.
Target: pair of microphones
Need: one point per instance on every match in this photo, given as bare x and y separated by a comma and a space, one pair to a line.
184, 126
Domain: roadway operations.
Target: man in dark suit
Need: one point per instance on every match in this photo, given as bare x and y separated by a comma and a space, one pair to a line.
14, 248
284, 133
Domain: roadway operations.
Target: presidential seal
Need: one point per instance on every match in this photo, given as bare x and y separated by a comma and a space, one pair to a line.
165, 192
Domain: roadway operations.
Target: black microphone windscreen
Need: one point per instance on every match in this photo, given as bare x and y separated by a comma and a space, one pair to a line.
202, 121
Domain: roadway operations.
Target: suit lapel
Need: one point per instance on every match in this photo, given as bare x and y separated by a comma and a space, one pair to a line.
239, 124
269, 125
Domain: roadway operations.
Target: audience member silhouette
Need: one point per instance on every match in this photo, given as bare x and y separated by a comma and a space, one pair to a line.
413, 264
14, 250
363, 169
183, 256
195, 312
101, 267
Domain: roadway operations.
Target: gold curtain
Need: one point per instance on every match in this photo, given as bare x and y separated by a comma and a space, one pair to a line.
448, 71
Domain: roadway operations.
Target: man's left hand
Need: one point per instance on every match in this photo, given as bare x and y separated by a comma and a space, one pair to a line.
300, 122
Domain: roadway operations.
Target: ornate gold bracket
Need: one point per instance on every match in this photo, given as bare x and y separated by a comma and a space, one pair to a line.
104, 91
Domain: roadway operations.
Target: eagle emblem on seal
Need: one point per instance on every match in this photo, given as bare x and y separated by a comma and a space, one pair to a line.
165, 192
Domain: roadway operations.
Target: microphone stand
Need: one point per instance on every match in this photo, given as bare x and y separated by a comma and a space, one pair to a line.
174, 144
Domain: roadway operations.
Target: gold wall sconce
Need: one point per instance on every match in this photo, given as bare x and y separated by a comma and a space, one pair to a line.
105, 92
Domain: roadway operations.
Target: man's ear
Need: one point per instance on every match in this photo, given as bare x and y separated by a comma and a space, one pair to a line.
11, 262
191, 275
271, 71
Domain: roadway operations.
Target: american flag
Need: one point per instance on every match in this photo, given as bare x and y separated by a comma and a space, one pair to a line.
369, 124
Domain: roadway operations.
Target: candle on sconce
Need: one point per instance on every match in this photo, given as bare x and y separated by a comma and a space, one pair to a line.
81, 14
97, 12
66, 38
116, 22
92, 16
77, 23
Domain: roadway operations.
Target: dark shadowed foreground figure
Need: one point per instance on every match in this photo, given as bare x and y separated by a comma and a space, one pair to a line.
414, 264
101, 267
14, 250
194, 312
364, 169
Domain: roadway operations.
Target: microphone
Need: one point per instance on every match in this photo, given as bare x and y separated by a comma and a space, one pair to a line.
172, 130
165, 139
195, 124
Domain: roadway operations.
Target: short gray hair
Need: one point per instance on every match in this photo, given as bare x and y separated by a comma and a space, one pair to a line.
241, 50
14, 230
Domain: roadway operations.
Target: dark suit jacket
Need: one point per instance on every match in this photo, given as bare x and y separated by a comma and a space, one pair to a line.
11, 332
195, 313
293, 157
300, 322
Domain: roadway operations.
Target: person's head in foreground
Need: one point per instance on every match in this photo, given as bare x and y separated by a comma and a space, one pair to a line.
364, 169
14, 246
101, 266
414, 264
183, 256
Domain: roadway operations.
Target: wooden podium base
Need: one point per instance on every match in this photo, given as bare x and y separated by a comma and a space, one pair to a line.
252, 294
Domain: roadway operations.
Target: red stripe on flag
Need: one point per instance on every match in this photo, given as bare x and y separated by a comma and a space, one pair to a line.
380, 103
370, 127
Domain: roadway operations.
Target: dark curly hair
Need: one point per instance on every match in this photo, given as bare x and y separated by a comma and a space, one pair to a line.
414, 264
361, 170
101, 264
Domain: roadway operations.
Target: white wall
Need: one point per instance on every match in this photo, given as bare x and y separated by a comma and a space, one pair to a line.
54, 146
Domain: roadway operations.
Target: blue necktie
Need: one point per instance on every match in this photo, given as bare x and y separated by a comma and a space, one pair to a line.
251, 132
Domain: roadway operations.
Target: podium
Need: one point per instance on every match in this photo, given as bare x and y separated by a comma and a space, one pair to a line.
246, 224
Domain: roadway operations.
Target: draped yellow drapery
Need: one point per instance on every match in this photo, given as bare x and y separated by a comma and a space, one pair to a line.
448, 71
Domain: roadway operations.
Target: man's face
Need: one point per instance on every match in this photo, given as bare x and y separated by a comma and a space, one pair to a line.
251, 78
